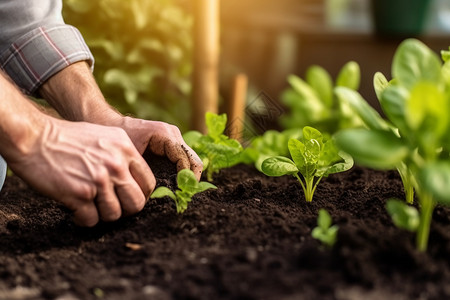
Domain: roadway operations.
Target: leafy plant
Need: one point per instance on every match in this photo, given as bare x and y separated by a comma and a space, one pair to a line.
314, 156
271, 143
325, 232
416, 102
188, 186
216, 150
142, 51
373, 121
312, 101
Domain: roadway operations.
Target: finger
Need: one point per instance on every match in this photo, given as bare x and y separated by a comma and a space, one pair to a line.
196, 163
177, 155
108, 204
130, 195
86, 215
144, 177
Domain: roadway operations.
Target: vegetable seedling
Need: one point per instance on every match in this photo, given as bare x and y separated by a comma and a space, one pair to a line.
216, 150
311, 101
416, 103
314, 156
325, 232
188, 186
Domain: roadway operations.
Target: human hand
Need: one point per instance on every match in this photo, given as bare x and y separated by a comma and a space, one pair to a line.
162, 139
94, 170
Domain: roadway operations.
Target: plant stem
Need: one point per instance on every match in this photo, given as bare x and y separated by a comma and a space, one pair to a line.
309, 189
426, 212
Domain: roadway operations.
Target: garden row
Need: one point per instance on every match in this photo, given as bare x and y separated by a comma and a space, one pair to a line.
330, 126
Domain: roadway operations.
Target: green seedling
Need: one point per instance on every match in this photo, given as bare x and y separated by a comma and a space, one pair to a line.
271, 143
325, 232
403, 215
311, 101
416, 103
188, 186
313, 157
216, 150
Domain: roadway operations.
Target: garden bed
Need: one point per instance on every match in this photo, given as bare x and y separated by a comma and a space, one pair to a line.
249, 239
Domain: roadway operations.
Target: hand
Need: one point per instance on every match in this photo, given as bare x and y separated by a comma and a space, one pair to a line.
94, 170
162, 139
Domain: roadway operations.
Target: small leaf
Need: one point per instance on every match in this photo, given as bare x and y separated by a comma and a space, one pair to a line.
373, 148
278, 166
186, 181
349, 76
324, 219
403, 215
413, 62
203, 186
296, 149
380, 83
161, 192
434, 178
215, 123
320, 80
368, 114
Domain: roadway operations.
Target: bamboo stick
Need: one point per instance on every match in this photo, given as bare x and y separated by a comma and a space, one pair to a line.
206, 57
236, 107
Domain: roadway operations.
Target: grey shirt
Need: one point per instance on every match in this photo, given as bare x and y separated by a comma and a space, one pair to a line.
35, 43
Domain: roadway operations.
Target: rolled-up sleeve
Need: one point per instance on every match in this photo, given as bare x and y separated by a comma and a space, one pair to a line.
35, 43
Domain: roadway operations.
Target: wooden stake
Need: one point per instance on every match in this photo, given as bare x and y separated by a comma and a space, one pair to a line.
206, 57
236, 107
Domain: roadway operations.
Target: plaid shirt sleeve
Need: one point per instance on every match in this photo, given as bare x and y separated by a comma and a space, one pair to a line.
36, 56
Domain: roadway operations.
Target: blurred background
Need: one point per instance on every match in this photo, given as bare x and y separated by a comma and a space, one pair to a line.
144, 48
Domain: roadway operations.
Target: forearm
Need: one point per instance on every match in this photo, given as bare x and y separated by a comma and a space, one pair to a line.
76, 96
21, 122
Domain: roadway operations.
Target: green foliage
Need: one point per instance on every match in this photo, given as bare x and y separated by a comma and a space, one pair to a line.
324, 232
216, 150
314, 156
188, 186
416, 141
143, 54
271, 143
403, 215
312, 102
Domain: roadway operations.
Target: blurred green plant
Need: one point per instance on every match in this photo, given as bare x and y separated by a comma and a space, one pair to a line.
142, 51
312, 102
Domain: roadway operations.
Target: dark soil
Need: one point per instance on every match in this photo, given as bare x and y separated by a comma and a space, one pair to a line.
249, 239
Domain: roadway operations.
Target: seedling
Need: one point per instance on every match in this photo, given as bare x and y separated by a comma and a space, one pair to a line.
188, 186
325, 232
314, 156
311, 101
416, 103
216, 150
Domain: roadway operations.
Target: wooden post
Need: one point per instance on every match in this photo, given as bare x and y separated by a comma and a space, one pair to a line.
206, 58
236, 107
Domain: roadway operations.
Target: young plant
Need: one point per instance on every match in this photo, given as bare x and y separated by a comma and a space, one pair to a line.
314, 156
311, 100
188, 186
216, 150
325, 232
416, 101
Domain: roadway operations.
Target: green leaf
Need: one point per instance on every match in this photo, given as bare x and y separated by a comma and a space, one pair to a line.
320, 81
413, 62
349, 76
380, 83
367, 113
216, 124
373, 148
324, 219
297, 149
203, 186
186, 181
434, 178
307, 96
393, 101
161, 192
427, 101
310, 133
337, 167
278, 166
192, 137
403, 215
